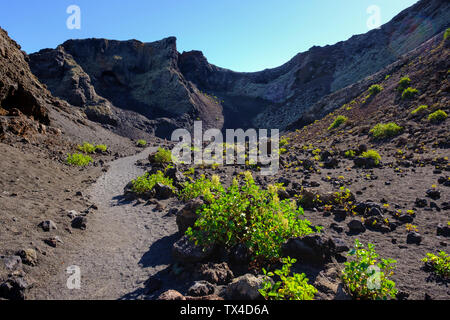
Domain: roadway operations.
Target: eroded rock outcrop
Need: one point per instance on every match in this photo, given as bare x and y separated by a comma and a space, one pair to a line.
19, 88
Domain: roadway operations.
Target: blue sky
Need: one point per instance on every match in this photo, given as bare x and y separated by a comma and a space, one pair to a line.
245, 35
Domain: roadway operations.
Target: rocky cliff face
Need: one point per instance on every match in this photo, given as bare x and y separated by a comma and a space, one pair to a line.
19, 88
173, 89
100, 75
279, 96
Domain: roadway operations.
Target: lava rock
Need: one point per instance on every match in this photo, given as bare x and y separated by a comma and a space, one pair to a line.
434, 194
421, 203
314, 249
201, 289
216, 273
366, 163
356, 226
245, 287
185, 251
187, 216
48, 225
29, 256
11, 263
443, 230
171, 295
79, 223
163, 192
414, 238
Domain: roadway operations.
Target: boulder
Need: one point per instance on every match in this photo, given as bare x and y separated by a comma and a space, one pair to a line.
216, 273
163, 192
171, 295
29, 256
366, 163
245, 287
48, 225
187, 216
201, 289
314, 249
414, 238
79, 223
185, 251
356, 226
14, 288
443, 230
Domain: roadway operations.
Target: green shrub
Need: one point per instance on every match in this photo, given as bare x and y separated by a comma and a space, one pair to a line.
373, 155
293, 287
409, 93
440, 263
383, 131
366, 277
447, 34
101, 147
350, 154
437, 116
162, 156
338, 122
420, 110
284, 141
403, 84
87, 148
141, 143
201, 187
147, 182
245, 214
78, 159
375, 89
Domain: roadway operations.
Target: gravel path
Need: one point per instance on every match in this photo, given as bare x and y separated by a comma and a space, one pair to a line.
124, 244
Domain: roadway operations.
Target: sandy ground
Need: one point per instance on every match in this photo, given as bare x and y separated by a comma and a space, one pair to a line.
123, 245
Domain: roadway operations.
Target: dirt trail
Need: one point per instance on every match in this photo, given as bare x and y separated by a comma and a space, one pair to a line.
124, 244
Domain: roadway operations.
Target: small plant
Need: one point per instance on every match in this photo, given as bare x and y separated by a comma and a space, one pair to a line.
350, 154
420, 110
87, 148
162, 156
289, 287
201, 187
411, 228
437, 116
383, 131
439, 263
338, 122
245, 214
147, 182
447, 34
372, 154
403, 84
375, 89
101, 147
78, 159
366, 277
284, 141
141, 143
409, 93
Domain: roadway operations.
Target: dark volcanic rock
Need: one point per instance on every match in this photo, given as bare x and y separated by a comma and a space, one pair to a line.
19, 88
102, 75
356, 226
185, 251
316, 249
187, 216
